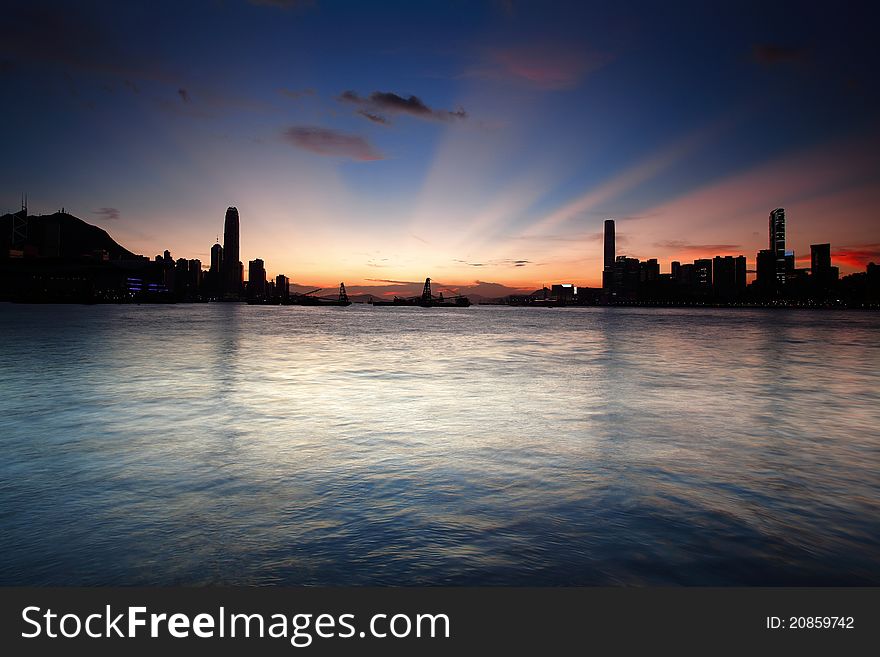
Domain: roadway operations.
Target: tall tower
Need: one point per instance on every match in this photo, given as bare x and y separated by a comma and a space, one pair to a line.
231, 266
216, 258
609, 253
777, 244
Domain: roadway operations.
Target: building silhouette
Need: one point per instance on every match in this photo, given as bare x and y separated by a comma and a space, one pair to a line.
216, 258
728, 277
256, 286
610, 254
777, 246
765, 278
702, 281
823, 276
282, 287
232, 270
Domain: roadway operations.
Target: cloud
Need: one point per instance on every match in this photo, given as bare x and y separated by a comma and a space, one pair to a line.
496, 263
296, 94
184, 94
857, 256
545, 66
771, 54
375, 118
684, 246
284, 4
618, 185
325, 141
107, 214
392, 103
69, 38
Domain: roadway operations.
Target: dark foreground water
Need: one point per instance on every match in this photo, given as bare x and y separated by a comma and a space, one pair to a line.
208, 444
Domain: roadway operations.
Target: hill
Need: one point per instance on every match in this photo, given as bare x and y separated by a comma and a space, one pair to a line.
63, 235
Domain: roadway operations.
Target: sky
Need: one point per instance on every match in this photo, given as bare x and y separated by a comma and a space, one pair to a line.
480, 143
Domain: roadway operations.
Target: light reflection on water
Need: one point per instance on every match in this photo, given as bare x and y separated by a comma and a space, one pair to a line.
223, 443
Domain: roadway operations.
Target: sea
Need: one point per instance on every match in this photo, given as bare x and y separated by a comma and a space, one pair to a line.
227, 444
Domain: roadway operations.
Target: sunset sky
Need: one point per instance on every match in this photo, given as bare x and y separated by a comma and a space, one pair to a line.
466, 141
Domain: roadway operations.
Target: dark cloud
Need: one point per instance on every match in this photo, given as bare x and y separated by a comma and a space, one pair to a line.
296, 94
770, 54
325, 141
284, 4
375, 118
107, 214
67, 36
682, 245
386, 101
184, 94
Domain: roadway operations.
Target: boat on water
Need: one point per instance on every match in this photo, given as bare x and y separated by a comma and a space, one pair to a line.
427, 300
305, 299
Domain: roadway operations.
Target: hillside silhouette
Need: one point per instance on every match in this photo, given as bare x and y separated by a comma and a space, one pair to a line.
65, 236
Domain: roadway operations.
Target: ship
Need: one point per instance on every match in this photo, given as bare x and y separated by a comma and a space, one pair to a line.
427, 300
309, 298
304, 299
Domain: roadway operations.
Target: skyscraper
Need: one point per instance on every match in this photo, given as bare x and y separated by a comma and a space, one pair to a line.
610, 251
256, 279
728, 277
702, 281
766, 271
777, 244
282, 287
820, 258
822, 274
216, 259
231, 265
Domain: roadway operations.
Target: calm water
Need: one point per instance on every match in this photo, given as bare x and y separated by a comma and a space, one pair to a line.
208, 444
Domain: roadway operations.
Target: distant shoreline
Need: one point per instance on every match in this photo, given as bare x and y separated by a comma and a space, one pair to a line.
683, 306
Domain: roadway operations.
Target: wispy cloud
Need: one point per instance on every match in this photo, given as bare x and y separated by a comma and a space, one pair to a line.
67, 37
546, 66
107, 214
768, 54
375, 118
326, 141
296, 94
507, 262
857, 255
284, 4
683, 246
391, 103
631, 177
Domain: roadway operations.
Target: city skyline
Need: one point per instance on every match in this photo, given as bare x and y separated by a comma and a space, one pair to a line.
481, 142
